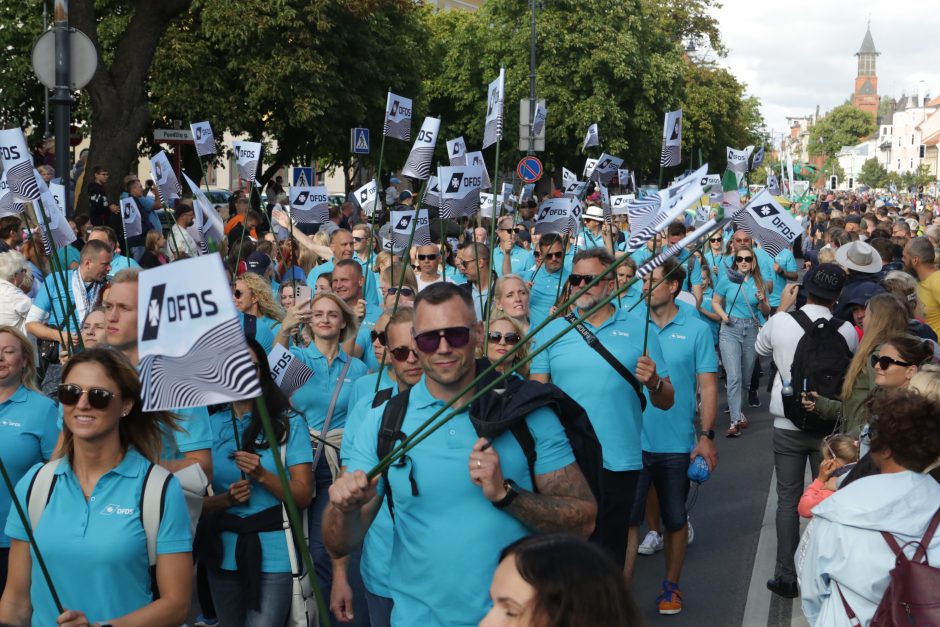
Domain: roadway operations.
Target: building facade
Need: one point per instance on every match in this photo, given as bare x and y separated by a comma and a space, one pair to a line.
865, 96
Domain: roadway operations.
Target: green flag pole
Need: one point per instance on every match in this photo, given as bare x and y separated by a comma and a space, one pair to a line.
60, 278
378, 191
486, 309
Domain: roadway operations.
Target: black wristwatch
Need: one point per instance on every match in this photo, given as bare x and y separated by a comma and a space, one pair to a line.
710, 434
512, 491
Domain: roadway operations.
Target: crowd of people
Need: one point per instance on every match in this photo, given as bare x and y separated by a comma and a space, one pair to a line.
529, 505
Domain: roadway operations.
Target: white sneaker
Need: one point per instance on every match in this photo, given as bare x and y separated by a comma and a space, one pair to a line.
651, 543
691, 532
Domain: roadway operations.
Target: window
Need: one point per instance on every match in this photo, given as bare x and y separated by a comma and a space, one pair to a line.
912, 139
912, 163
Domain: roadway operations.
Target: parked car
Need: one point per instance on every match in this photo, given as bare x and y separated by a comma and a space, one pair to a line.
219, 199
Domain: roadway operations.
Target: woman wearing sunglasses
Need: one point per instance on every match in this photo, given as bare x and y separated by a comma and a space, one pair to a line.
396, 288
511, 296
716, 262
247, 505
505, 334
253, 296
29, 418
740, 307
90, 532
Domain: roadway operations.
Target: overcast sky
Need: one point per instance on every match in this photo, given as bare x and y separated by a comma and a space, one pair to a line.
794, 55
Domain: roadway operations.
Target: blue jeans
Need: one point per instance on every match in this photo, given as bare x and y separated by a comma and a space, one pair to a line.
669, 475
230, 608
738, 355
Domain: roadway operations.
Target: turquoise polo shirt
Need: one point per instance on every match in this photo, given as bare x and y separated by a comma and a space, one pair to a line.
717, 266
370, 285
316, 271
120, 262
633, 296
693, 269
707, 306
273, 325
610, 402
55, 302
787, 262
96, 550
28, 435
364, 337
67, 255
364, 387
447, 539
642, 255
195, 433
520, 260
587, 240
544, 291
312, 400
740, 298
689, 351
274, 557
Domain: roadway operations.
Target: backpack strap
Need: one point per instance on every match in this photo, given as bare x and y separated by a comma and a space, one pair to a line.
393, 416
40, 491
152, 500
853, 619
527, 443
382, 396
803, 320
920, 554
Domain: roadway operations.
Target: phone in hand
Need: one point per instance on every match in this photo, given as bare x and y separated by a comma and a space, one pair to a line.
302, 296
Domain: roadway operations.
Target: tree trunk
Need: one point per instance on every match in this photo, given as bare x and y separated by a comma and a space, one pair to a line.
120, 112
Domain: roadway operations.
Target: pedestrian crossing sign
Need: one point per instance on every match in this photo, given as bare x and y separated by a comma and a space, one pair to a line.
359, 141
302, 177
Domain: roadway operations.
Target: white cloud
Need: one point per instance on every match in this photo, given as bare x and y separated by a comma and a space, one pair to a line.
800, 54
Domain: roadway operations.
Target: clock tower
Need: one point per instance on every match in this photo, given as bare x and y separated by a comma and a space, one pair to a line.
865, 96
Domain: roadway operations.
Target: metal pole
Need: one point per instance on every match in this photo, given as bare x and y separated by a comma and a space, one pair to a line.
531, 151
62, 97
45, 91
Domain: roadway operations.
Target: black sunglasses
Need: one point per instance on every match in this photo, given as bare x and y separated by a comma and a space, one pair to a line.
237, 293
512, 338
429, 341
405, 291
715, 239
743, 259
557, 255
358, 239
429, 257
99, 398
378, 335
884, 362
579, 279
401, 353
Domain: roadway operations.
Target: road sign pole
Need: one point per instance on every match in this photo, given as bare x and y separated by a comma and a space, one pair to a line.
62, 98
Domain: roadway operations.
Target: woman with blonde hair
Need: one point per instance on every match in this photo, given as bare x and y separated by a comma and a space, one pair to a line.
505, 335
154, 250
905, 287
511, 297
253, 296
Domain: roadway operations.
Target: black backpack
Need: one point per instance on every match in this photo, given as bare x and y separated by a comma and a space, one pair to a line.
522, 397
819, 365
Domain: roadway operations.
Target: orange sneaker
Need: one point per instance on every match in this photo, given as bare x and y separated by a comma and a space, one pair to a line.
670, 601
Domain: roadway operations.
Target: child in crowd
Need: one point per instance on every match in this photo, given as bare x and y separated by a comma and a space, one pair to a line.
840, 452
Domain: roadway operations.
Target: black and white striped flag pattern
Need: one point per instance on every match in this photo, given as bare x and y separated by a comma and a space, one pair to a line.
8, 207
769, 223
165, 177
418, 165
671, 204
432, 195
288, 371
557, 215
18, 165
457, 151
672, 139
203, 138
689, 240
309, 205
130, 217
367, 197
191, 341
397, 117
737, 159
605, 168
460, 190
404, 222
247, 158
493, 129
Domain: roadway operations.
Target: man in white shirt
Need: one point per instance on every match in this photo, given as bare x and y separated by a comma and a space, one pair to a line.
181, 243
793, 447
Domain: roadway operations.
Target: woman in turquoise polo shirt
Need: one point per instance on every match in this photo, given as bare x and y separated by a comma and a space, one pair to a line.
253, 588
28, 429
253, 296
741, 307
90, 533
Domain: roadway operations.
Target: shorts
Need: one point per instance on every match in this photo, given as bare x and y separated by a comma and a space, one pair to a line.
668, 473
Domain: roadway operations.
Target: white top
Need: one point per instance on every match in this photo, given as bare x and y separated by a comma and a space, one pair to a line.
423, 284
778, 338
14, 305
181, 242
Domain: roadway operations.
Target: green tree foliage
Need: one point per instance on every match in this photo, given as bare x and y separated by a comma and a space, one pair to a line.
873, 174
21, 94
843, 126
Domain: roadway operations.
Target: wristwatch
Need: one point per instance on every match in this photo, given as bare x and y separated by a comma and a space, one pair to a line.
512, 491
657, 387
710, 434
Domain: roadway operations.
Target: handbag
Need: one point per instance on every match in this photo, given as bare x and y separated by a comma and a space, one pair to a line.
195, 487
303, 605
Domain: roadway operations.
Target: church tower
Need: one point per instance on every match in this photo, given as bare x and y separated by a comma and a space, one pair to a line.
866, 82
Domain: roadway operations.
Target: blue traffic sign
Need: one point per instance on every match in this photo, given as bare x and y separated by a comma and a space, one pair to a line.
360, 141
529, 169
302, 177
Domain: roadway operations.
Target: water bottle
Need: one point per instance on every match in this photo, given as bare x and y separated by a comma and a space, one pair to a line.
787, 389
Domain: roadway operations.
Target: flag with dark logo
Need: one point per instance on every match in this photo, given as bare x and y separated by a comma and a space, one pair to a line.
432, 195
605, 168
457, 151
418, 165
18, 165
592, 138
8, 207
737, 159
247, 158
367, 197
493, 129
460, 190
672, 139
208, 223
620, 204
773, 184
557, 215
287, 370
758, 159
130, 216
309, 205
567, 178
203, 138
669, 204
769, 223
165, 178
397, 117
538, 121
191, 342
406, 222
476, 159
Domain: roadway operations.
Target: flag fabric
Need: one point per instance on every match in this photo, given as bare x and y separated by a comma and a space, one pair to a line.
506, 198
309, 205
8, 206
790, 179
758, 159
165, 178
672, 203
769, 223
711, 182
197, 355
619, 204
403, 222
623, 177
203, 138
773, 184
486, 205
737, 159
247, 158
476, 159
672, 139
575, 190
397, 117
287, 370
591, 138
208, 222
418, 165
711, 226
589, 165
432, 195
642, 211
460, 190
493, 129
605, 168
605, 204
527, 192
457, 151
367, 197
538, 120
557, 215
53, 204
567, 178
18, 165
130, 216
731, 199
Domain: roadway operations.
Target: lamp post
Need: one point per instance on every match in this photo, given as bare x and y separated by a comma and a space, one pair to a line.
533, 5
61, 96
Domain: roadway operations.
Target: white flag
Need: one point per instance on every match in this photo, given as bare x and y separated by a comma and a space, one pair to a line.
558, 215
769, 223
592, 138
460, 187
403, 223
457, 151
605, 168
130, 216
208, 221
287, 370
53, 205
309, 205
486, 205
567, 177
167, 183
589, 166
191, 342
476, 159
203, 138
247, 158
18, 165
672, 139
575, 190
367, 196
737, 159
418, 165
538, 122
397, 117
432, 195
493, 129
623, 177
619, 204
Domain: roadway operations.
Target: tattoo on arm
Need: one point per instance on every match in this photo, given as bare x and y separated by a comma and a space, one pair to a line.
563, 502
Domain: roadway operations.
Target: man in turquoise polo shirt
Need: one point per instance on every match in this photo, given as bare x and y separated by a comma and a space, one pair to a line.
611, 403
547, 279
118, 262
341, 243
518, 259
669, 439
448, 530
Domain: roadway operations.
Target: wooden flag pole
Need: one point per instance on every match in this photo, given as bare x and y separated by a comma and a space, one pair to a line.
378, 190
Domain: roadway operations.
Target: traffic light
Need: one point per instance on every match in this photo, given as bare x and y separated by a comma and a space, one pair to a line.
922, 153
833, 181
851, 182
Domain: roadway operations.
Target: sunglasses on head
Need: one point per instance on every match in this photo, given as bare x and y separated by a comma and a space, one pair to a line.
428, 257
405, 291
512, 338
378, 335
580, 279
743, 259
429, 341
884, 362
99, 398
401, 353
